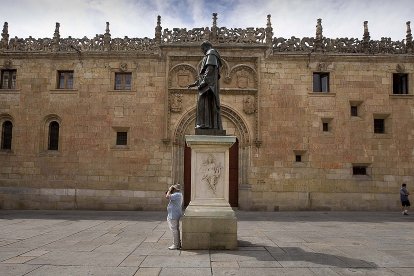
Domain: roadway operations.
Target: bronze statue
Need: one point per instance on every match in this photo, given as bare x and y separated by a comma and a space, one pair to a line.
208, 105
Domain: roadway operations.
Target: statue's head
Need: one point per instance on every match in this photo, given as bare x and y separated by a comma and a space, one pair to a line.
205, 46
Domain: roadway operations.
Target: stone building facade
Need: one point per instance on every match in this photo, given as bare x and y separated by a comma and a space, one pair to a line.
321, 124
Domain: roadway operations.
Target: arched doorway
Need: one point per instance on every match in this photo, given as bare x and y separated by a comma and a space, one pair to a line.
240, 152
233, 175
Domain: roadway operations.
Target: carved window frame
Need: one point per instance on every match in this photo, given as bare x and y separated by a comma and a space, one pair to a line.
10, 85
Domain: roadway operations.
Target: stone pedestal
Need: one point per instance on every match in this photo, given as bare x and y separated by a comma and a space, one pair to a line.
209, 222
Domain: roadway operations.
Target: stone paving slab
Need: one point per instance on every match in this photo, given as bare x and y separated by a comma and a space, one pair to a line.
269, 243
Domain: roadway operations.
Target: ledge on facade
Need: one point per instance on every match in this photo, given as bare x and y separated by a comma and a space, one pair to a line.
322, 94
9, 91
119, 91
120, 147
401, 96
50, 153
63, 91
166, 141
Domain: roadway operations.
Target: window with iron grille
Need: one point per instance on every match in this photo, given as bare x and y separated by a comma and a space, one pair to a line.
6, 135
8, 79
359, 170
123, 81
53, 143
65, 80
320, 82
121, 138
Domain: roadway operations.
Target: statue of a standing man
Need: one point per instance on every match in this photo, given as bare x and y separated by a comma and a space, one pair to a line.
208, 105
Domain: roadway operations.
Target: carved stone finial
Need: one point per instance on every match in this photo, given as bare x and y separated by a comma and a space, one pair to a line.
269, 31
107, 28
56, 38
366, 32
319, 35
366, 38
409, 39
107, 38
214, 29
158, 30
5, 36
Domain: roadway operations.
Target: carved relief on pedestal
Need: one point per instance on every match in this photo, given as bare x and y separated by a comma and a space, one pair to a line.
210, 172
249, 105
176, 102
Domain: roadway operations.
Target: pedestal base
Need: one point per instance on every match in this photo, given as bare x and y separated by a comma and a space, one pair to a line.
209, 227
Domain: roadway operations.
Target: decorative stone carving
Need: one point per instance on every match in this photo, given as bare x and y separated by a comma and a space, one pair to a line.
249, 105
176, 102
123, 67
242, 79
183, 78
409, 38
244, 76
216, 34
181, 75
5, 36
210, 169
400, 68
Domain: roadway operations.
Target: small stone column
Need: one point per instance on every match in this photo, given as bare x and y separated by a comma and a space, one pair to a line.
209, 222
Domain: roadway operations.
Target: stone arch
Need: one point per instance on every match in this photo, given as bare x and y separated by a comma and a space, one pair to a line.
242, 133
247, 68
226, 112
45, 131
182, 66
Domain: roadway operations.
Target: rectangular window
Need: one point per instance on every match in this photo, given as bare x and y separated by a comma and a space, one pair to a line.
298, 158
359, 170
121, 138
354, 110
379, 126
320, 82
8, 79
400, 83
123, 81
325, 126
65, 79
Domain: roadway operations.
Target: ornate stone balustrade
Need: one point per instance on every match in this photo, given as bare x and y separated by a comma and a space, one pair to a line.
217, 35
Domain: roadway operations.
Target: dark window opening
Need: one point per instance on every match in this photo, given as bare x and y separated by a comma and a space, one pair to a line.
400, 83
53, 143
6, 135
325, 126
122, 138
359, 170
320, 82
123, 81
354, 110
298, 158
8, 79
65, 80
379, 126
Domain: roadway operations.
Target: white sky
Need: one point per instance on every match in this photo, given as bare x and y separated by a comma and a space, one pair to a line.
138, 18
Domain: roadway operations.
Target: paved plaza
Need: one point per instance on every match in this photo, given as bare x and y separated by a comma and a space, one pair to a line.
270, 243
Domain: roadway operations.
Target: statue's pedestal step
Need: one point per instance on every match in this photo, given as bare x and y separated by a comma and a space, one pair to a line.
209, 227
